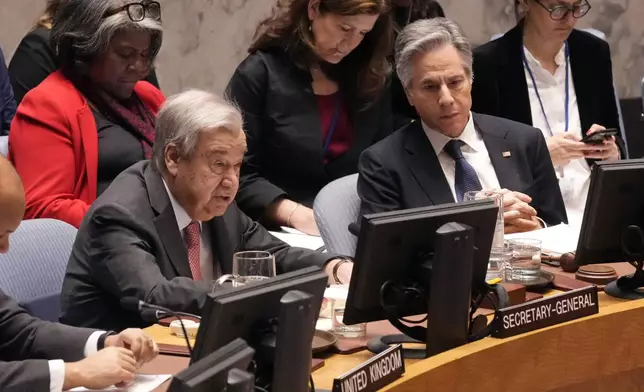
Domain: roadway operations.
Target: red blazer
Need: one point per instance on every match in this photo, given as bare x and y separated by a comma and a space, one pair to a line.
53, 144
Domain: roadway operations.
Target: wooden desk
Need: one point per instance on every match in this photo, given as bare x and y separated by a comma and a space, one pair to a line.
596, 353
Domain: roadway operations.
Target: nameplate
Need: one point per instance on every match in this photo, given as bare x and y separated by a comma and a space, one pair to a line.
547, 311
374, 374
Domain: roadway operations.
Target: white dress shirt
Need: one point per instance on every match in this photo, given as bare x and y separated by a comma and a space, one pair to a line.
208, 272
574, 178
474, 152
57, 366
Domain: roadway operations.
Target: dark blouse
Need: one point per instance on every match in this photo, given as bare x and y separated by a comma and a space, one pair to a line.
342, 135
118, 149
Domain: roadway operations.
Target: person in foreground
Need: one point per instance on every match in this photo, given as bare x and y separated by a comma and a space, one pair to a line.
451, 150
166, 228
94, 117
37, 355
547, 74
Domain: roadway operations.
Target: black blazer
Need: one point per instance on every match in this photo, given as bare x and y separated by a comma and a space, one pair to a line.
500, 87
403, 171
284, 136
34, 60
129, 244
27, 343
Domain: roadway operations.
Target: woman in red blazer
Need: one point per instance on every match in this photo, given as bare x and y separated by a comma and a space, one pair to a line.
94, 117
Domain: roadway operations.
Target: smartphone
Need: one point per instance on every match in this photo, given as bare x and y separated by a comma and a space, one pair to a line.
600, 136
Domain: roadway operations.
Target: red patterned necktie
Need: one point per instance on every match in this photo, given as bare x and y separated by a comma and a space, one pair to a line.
193, 240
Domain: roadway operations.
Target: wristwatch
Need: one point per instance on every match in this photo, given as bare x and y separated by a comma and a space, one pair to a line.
100, 343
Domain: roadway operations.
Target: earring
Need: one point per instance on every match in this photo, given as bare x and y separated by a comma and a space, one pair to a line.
310, 28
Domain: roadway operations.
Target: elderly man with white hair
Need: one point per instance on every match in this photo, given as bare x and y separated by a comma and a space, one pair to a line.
451, 150
165, 229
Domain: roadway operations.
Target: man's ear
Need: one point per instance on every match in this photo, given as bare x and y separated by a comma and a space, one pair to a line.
171, 157
408, 94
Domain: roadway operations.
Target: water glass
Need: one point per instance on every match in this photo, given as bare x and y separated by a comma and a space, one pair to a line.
498, 253
499, 262
525, 264
249, 266
497, 198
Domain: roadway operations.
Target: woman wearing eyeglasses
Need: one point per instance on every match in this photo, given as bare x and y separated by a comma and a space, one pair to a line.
93, 117
547, 74
34, 58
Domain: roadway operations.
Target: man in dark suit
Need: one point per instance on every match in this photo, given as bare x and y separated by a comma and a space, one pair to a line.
36, 355
451, 151
165, 229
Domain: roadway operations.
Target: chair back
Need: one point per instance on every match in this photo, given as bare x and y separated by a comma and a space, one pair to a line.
32, 271
335, 208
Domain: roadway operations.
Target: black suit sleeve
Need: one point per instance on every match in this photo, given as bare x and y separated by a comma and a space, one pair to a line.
287, 258
609, 98
26, 343
378, 190
248, 88
7, 102
122, 256
549, 203
32, 62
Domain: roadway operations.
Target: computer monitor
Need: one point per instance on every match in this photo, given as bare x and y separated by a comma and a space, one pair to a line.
396, 252
276, 317
613, 223
214, 372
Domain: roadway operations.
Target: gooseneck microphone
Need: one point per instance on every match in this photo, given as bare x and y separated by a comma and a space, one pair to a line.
153, 313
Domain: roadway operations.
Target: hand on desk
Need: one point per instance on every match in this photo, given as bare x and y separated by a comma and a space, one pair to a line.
116, 364
288, 213
107, 367
518, 215
141, 345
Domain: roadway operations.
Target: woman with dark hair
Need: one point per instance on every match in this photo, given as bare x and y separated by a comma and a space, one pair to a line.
34, 58
94, 117
547, 74
314, 95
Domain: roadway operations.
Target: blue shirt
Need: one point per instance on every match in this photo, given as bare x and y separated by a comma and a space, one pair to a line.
7, 102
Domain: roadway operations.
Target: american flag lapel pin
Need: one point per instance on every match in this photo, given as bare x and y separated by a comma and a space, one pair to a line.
506, 154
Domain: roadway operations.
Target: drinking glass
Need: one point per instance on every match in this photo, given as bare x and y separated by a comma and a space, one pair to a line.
525, 264
249, 266
498, 254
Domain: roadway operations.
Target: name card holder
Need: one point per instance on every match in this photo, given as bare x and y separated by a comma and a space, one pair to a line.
530, 316
373, 374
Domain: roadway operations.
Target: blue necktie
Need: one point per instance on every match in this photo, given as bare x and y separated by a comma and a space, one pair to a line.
466, 179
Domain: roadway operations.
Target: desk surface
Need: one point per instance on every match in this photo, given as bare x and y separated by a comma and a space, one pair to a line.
565, 357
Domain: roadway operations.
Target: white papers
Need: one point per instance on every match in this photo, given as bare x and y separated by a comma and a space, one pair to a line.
142, 383
298, 239
559, 239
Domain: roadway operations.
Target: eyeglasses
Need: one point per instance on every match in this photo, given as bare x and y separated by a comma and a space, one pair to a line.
560, 11
138, 11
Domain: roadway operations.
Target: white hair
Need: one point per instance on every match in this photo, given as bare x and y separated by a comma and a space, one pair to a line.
184, 116
426, 35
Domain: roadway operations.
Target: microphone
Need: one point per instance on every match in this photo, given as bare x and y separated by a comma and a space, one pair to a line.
152, 313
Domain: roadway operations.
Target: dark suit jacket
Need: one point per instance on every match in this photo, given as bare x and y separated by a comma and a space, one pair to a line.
129, 244
285, 147
500, 87
403, 171
7, 102
26, 343
34, 60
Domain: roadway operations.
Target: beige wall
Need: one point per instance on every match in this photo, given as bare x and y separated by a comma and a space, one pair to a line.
206, 39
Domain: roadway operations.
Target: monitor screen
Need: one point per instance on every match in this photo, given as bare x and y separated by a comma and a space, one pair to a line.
392, 244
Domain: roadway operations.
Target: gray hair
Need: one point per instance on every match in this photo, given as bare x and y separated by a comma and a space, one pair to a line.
80, 31
183, 117
426, 35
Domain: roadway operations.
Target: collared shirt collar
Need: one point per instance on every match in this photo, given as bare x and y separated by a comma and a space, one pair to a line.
183, 219
468, 136
560, 58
